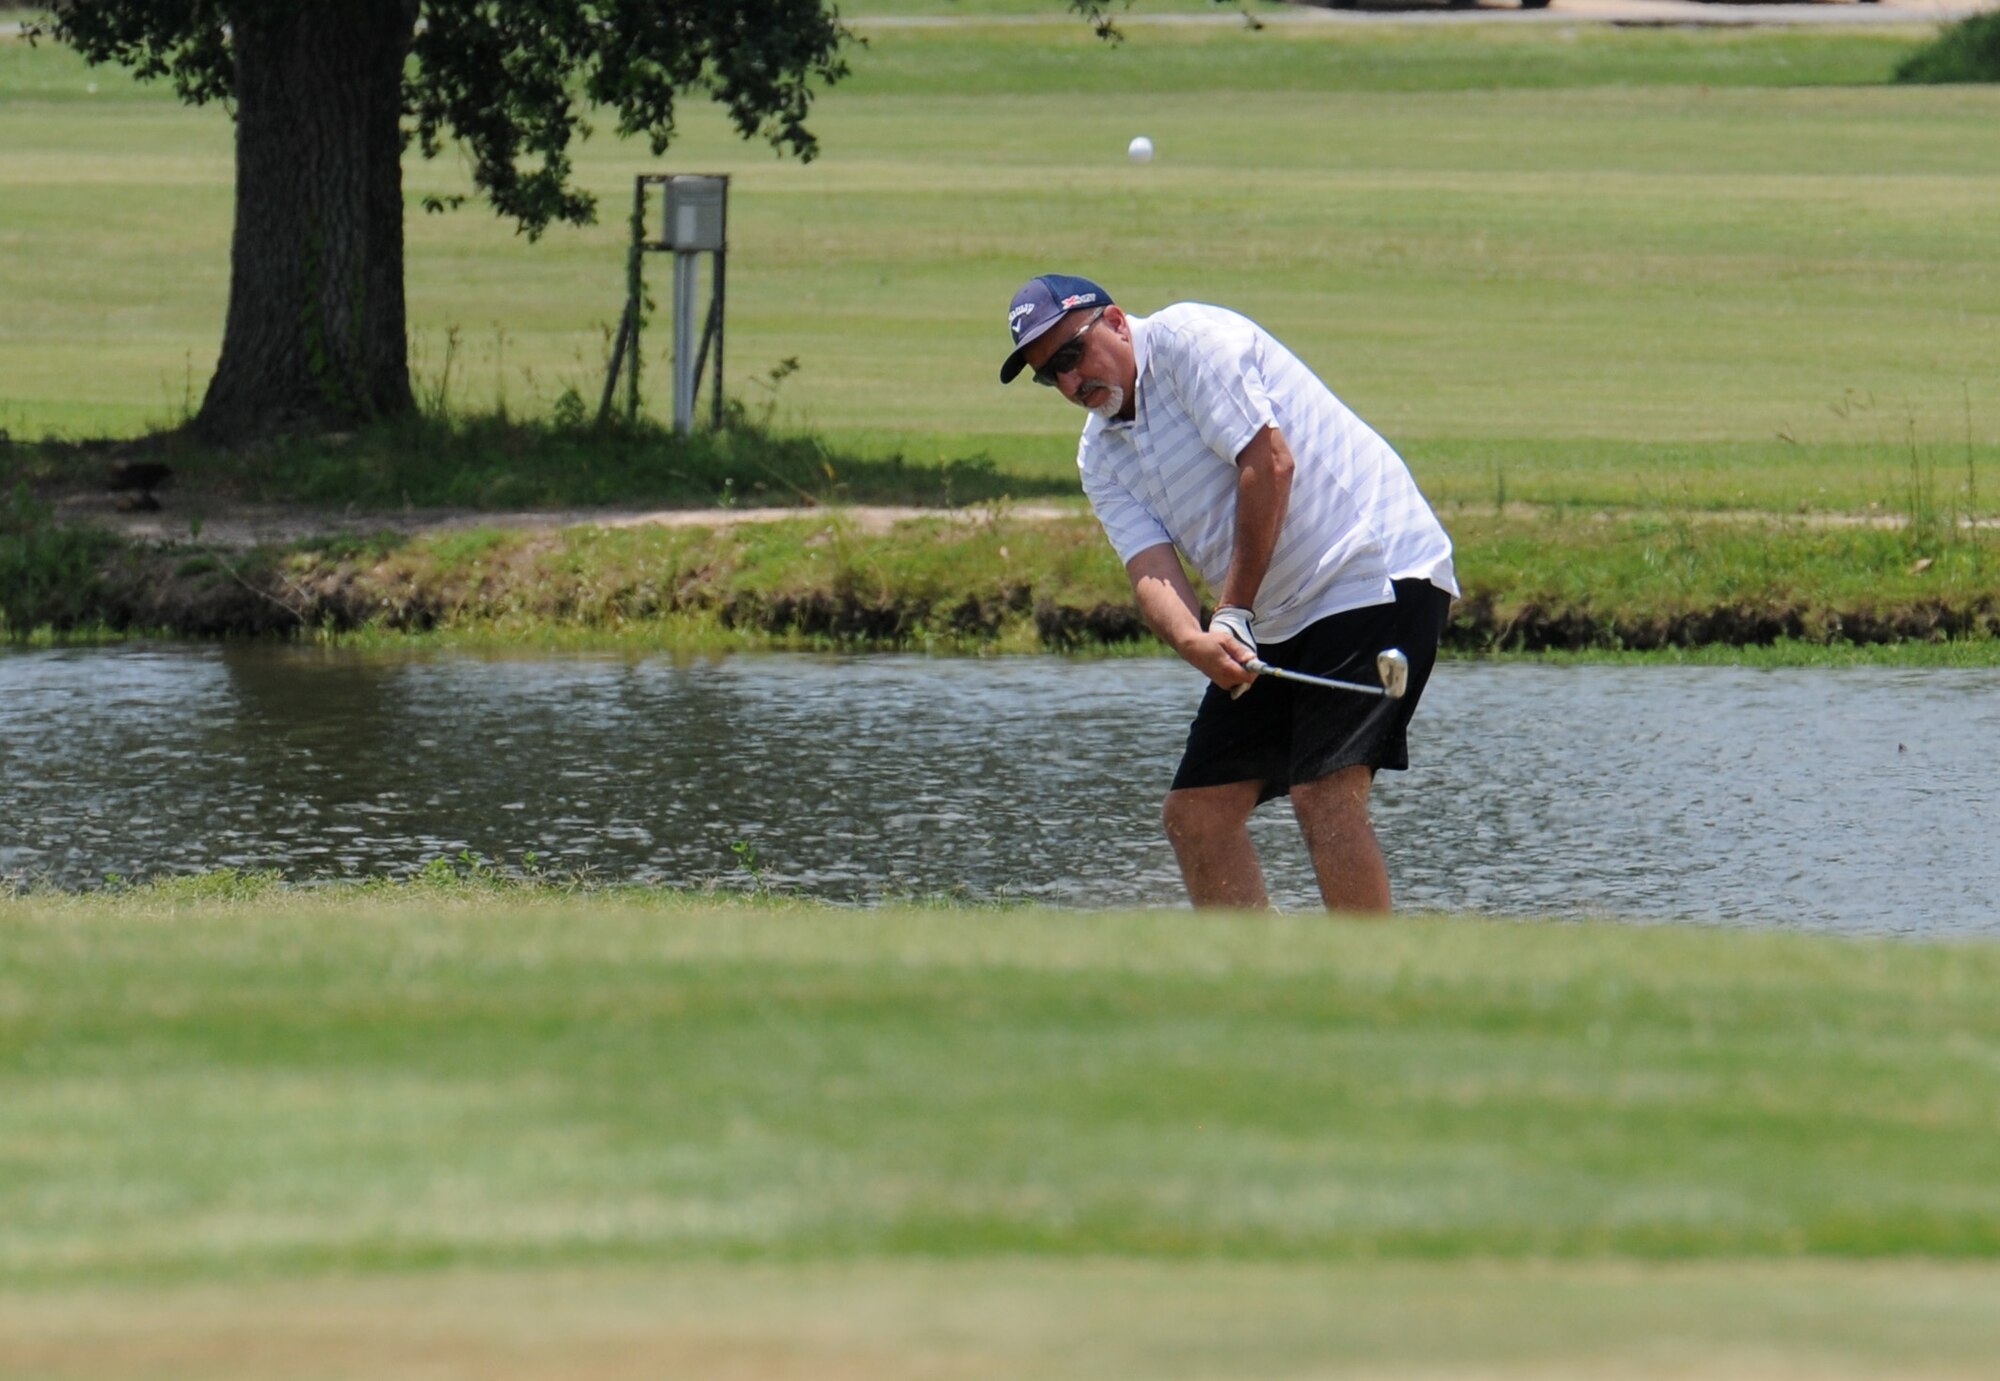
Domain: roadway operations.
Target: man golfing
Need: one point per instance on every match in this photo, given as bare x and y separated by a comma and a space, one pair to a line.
1208, 440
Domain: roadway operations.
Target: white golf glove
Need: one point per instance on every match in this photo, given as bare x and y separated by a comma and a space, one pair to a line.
1236, 623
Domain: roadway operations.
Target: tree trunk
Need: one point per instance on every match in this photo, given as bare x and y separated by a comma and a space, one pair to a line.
315, 338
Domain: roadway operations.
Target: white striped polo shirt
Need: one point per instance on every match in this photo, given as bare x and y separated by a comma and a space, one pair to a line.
1209, 380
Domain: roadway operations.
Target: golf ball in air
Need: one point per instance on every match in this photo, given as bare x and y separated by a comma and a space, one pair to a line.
1140, 150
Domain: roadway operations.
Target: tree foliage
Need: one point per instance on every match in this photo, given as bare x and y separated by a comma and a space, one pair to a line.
513, 80
1098, 12
329, 95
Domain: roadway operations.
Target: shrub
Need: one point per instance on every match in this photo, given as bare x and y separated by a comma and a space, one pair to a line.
48, 575
1968, 51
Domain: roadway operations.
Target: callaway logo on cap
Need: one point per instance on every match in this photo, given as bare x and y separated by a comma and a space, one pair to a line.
1041, 304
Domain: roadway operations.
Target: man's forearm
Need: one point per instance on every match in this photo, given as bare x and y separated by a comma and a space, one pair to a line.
1263, 494
1166, 598
1167, 603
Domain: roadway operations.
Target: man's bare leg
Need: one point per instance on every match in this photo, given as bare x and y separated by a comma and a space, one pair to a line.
1209, 827
1333, 815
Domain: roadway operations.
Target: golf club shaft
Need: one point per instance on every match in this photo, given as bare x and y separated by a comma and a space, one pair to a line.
1263, 668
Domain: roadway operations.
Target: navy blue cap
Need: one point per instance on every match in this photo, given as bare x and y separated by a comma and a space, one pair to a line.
1041, 304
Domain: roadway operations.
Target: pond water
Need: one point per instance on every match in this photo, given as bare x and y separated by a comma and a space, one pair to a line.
1859, 801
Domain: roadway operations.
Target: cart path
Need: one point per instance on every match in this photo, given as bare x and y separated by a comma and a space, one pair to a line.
239, 526
1626, 13
1631, 13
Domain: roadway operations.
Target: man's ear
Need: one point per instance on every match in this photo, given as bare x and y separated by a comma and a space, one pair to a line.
1116, 316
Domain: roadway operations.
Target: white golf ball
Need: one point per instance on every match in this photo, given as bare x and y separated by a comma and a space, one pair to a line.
1140, 150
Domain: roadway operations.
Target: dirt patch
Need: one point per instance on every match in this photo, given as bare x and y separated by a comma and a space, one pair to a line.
235, 526
232, 525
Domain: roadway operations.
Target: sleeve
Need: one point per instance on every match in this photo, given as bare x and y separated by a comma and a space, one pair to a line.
1212, 368
1128, 524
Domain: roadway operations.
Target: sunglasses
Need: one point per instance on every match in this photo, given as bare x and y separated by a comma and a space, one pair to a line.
1067, 356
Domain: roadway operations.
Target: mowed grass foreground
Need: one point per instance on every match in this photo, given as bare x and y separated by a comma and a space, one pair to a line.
499, 1135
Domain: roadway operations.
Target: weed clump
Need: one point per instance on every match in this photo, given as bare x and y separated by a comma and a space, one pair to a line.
1968, 51
49, 575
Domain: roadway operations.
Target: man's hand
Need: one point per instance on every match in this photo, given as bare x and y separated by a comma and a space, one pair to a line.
1236, 623
1168, 602
1230, 633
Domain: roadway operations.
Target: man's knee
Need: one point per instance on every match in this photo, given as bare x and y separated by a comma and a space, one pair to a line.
1193, 815
1182, 817
1339, 799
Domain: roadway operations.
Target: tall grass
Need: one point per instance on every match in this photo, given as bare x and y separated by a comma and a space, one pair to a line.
50, 575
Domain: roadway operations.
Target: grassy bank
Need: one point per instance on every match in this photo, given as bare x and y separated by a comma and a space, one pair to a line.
993, 579
210, 1102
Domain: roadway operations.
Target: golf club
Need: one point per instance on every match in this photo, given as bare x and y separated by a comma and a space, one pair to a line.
1392, 666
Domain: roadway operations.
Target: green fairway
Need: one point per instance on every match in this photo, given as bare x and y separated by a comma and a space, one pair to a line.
1079, 1145
371, 1087
1723, 268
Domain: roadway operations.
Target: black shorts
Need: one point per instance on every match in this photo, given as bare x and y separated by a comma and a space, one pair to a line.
1280, 732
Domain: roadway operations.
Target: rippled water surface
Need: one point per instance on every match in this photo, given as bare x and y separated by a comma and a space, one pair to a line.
1843, 800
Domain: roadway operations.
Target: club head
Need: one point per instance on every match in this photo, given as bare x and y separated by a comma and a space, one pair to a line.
1394, 669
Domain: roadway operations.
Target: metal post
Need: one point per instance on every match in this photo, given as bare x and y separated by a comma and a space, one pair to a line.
721, 259
708, 335
635, 294
617, 360
686, 282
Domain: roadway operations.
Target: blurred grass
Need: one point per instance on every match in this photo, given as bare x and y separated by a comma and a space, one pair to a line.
1051, 1320
195, 1087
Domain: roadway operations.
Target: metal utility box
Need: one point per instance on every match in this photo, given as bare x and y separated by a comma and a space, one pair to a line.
695, 212
694, 222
